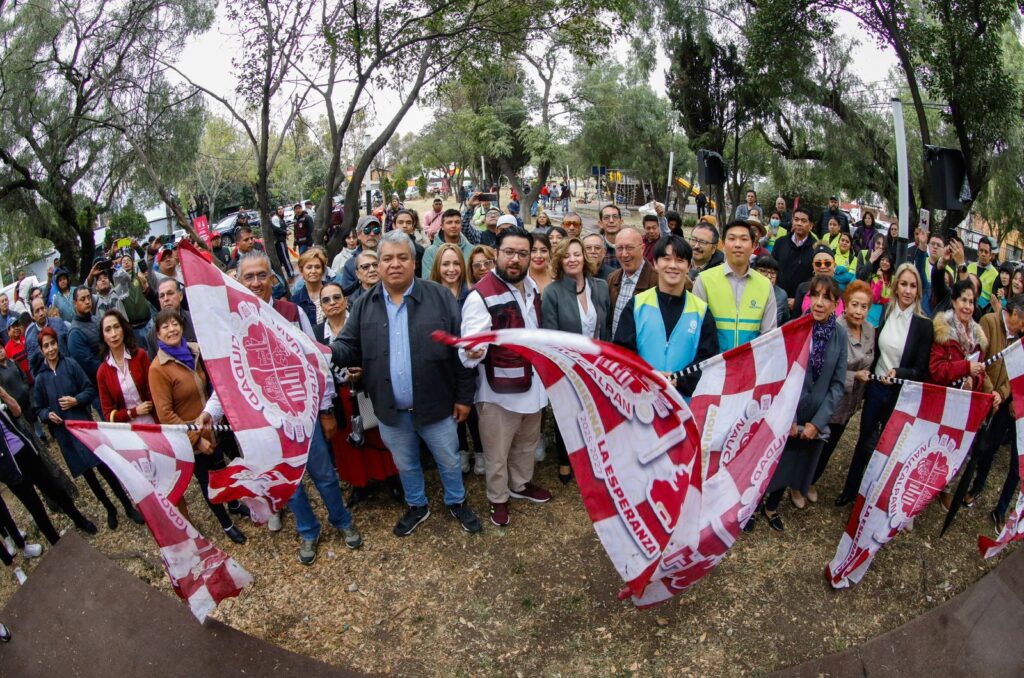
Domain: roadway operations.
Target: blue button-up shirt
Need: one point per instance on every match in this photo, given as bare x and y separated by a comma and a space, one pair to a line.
400, 358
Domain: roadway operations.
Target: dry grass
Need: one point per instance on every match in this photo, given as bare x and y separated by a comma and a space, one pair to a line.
539, 597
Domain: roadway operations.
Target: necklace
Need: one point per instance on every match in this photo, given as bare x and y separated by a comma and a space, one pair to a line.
582, 289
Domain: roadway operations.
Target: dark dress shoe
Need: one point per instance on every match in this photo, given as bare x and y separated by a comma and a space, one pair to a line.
357, 496
112, 518
751, 523
235, 535
843, 500
566, 478
134, 515
87, 526
774, 521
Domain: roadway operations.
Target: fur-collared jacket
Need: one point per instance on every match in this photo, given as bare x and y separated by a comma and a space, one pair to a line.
950, 361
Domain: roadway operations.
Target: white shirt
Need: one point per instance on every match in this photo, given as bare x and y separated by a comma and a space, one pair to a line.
128, 388
476, 319
892, 339
588, 315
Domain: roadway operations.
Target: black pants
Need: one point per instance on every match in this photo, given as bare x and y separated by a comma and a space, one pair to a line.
879, 402
773, 499
35, 475
1011, 483
281, 247
835, 432
470, 429
204, 464
10, 528
987, 445
115, 485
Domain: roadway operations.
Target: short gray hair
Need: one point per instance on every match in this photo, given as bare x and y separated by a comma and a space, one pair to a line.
254, 255
397, 237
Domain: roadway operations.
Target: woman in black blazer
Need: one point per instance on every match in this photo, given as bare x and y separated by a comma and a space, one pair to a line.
903, 346
576, 301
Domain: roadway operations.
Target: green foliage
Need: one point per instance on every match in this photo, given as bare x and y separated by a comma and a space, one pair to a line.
421, 185
386, 187
401, 181
126, 223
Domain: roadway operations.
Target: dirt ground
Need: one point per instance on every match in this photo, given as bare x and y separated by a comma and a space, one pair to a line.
539, 597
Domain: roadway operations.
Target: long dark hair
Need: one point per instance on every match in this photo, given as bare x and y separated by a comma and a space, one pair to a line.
130, 345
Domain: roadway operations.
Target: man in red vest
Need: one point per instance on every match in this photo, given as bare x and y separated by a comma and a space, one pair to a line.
510, 397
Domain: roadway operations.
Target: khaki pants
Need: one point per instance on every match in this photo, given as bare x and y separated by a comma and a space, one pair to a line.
510, 441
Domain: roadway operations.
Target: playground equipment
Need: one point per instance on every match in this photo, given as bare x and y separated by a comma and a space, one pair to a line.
686, 186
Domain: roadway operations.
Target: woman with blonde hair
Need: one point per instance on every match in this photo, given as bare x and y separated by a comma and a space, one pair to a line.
449, 270
902, 351
576, 301
312, 265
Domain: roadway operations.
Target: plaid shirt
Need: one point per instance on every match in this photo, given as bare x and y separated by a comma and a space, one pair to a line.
626, 289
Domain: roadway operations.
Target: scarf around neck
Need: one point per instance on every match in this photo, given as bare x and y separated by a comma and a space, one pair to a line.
821, 337
179, 353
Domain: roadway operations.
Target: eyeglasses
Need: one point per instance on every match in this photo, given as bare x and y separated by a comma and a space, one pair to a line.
333, 299
610, 217
367, 230
699, 242
365, 267
826, 264
250, 277
485, 265
626, 249
569, 224
514, 254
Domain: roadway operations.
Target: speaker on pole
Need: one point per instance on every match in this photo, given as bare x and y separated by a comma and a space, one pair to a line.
947, 174
710, 168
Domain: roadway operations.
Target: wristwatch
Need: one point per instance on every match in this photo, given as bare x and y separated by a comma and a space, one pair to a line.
329, 410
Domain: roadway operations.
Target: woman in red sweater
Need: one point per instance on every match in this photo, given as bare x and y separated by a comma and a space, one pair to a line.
123, 376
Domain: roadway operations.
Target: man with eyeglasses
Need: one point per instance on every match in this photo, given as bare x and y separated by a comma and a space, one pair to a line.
794, 254
510, 397
573, 224
611, 224
170, 295
451, 232
254, 272
741, 300
634, 275
489, 236
595, 247
366, 271
419, 389
368, 231
704, 241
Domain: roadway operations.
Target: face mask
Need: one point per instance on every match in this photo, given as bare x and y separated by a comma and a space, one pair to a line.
775, 223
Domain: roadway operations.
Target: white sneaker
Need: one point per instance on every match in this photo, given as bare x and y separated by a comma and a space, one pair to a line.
274, 524
32, 550
539, 453
478, 463
20, 575
464, 456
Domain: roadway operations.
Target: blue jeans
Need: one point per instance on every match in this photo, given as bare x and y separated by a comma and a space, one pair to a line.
442, 439
321, 470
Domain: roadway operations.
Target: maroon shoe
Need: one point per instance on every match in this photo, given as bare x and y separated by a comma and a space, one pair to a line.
534, 493
499, 514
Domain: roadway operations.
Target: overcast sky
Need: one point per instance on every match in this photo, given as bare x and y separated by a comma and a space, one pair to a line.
207, 61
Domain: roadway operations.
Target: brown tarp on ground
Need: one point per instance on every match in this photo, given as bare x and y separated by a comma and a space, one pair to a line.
80, 614
977, 633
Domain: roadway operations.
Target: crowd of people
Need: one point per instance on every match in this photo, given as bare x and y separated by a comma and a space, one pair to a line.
121, 346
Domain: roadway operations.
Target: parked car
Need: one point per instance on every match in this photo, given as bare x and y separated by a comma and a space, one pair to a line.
226, 227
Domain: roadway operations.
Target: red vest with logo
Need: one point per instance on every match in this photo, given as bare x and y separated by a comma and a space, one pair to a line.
506, 370
288, 311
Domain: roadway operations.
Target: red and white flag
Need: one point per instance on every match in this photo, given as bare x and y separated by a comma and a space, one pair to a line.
634, 446
1013, 529
202, 227
921, 448
631, 439
200, 572
744, 406
270, 378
